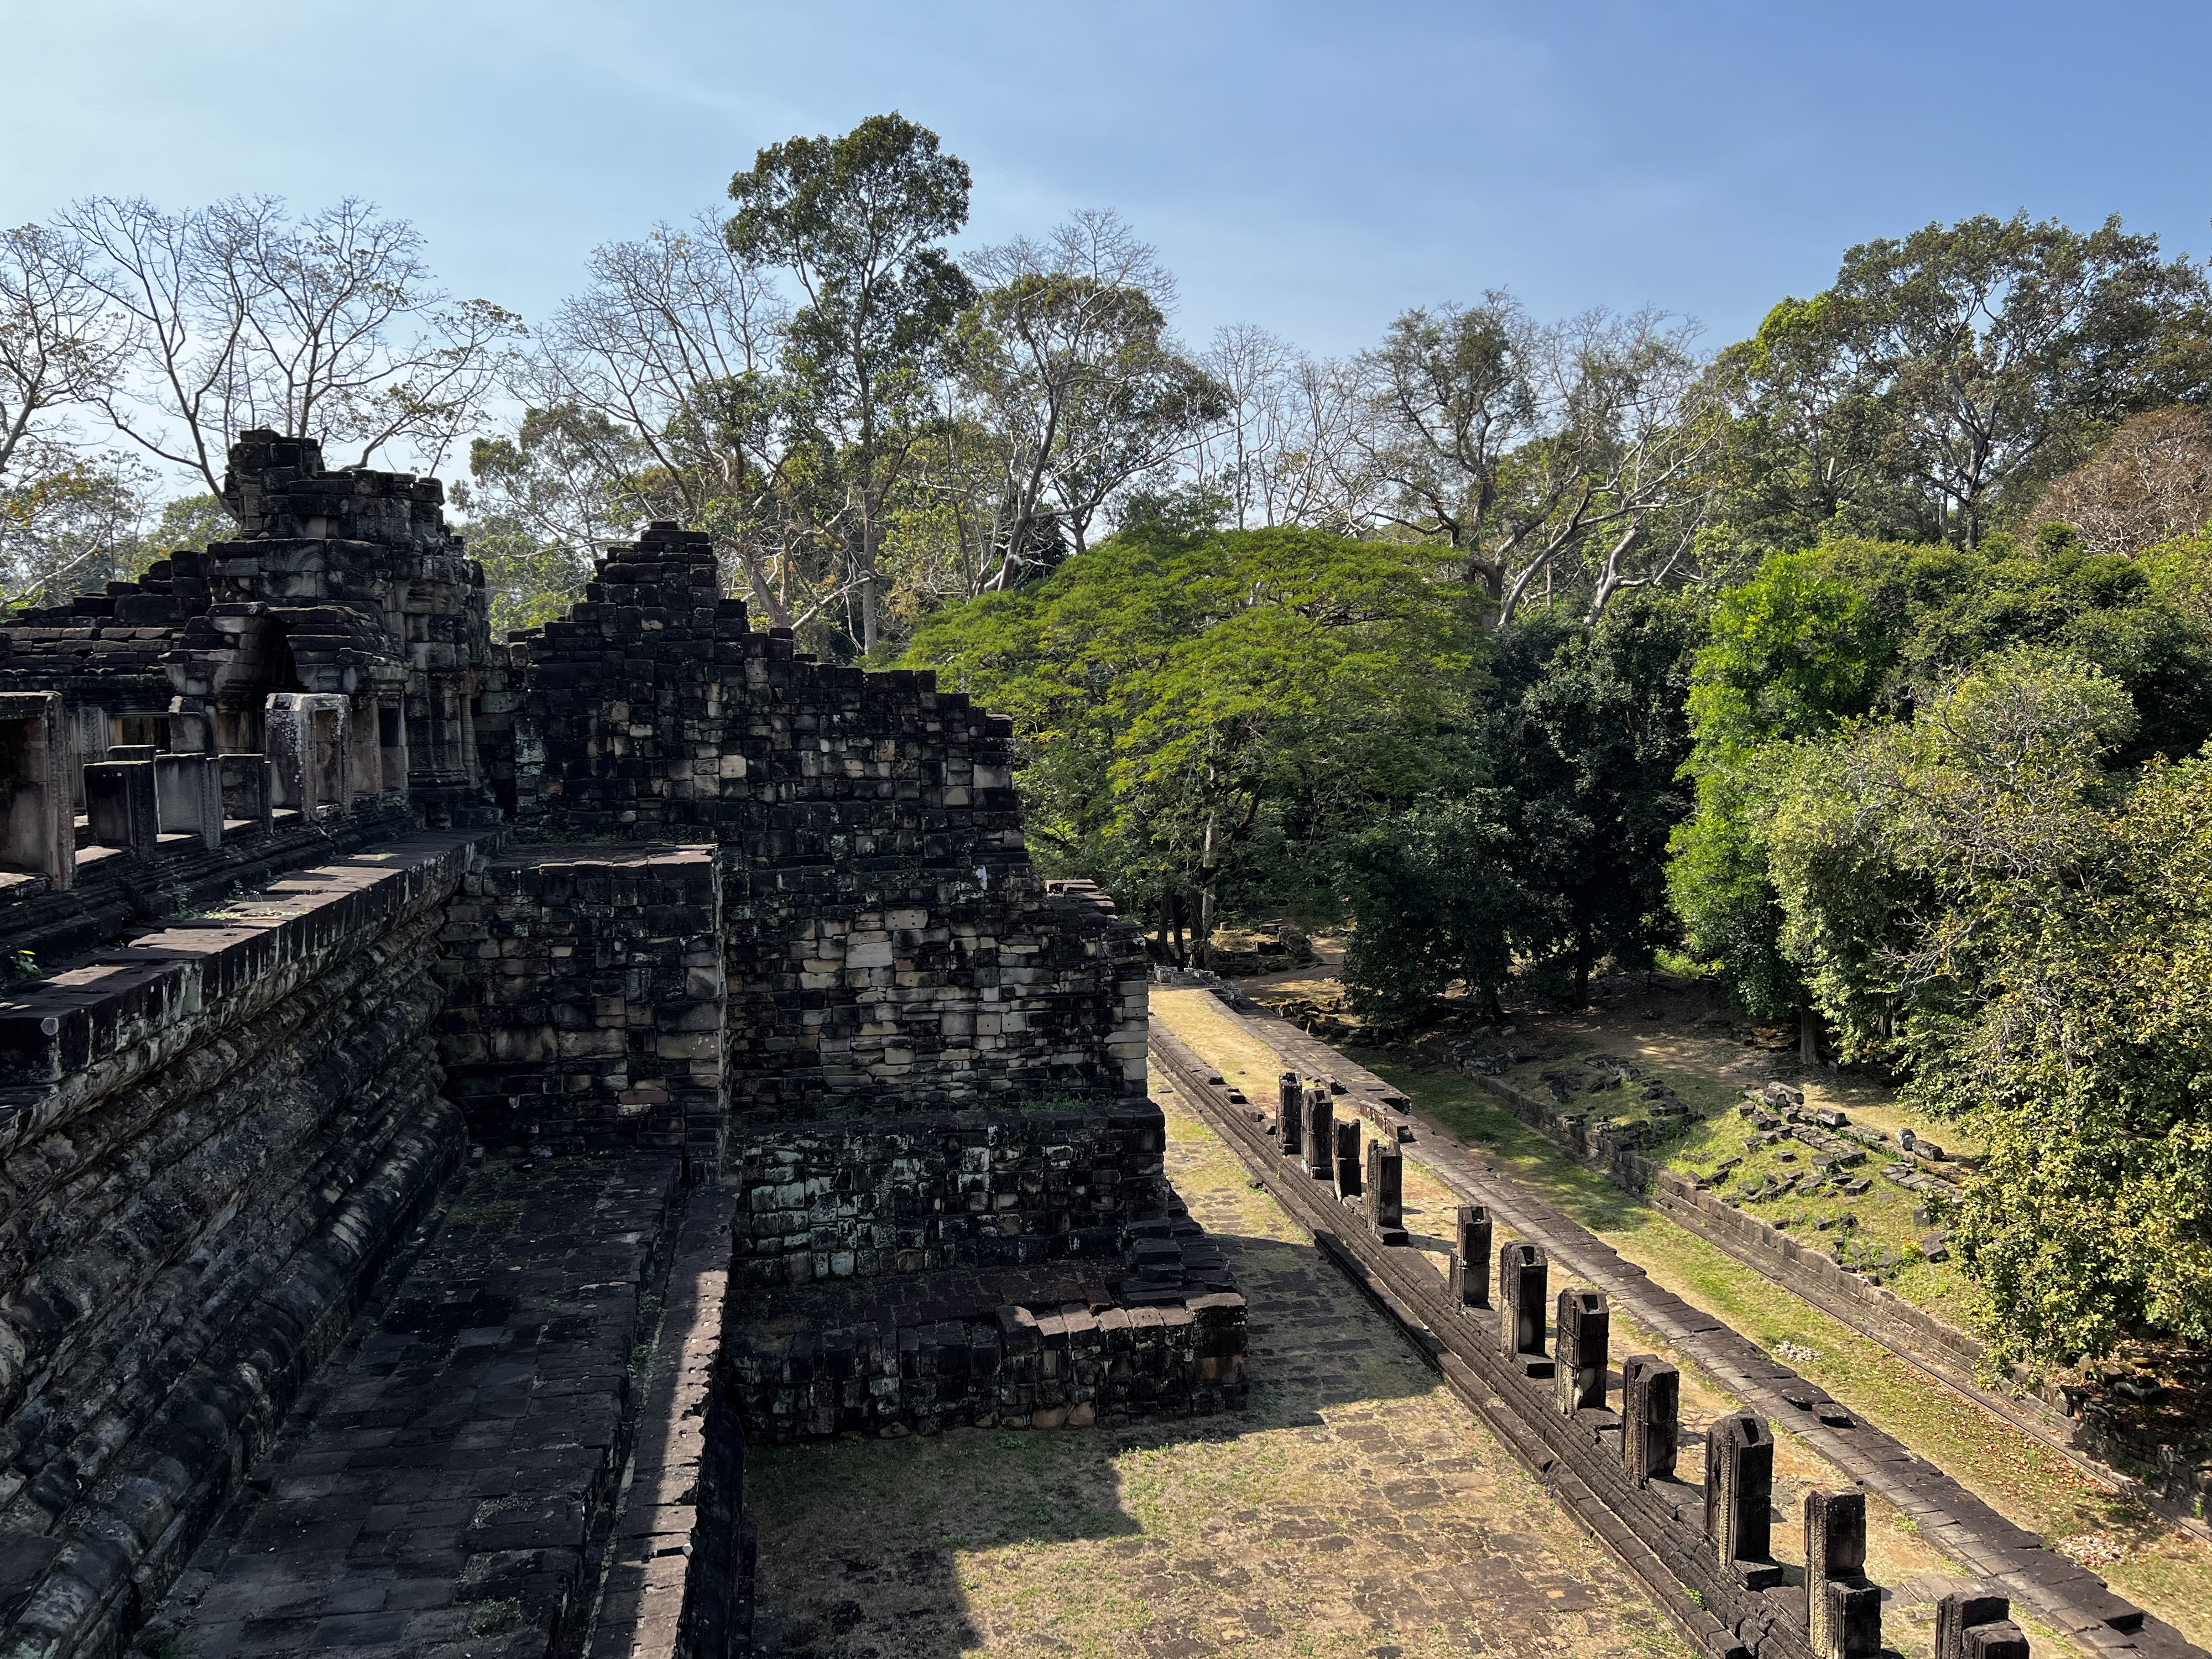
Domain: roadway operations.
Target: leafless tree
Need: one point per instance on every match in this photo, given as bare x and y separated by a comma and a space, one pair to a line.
1066, 361
324, 326
672, 345
59, 346
2150, 482
1280, 453
1519, 443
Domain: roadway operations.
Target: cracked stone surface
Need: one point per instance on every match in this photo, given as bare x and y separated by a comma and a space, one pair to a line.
432, 1497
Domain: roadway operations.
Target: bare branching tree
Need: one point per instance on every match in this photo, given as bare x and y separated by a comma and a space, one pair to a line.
1521, 444
673, 345
324, 326
1067, 363
1281, 454
2150, 480
59, 347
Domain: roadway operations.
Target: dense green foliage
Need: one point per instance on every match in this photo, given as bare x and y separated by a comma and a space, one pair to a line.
1862, 630
1556, 866
1975, 896
1947, 375
1200, 712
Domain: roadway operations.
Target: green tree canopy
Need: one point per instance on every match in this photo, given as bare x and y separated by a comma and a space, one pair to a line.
1858, 630
1556, 865
857, 220
1946, 376
1200, 710
1974, 898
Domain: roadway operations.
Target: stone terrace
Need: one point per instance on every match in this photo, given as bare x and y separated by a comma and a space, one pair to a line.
1356, 1507
438, 1491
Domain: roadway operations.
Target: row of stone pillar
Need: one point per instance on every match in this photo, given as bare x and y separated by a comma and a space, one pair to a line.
136, 793
1843, 1609
1309, 1133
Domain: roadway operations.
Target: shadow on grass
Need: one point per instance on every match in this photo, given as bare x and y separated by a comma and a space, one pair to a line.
869, 1548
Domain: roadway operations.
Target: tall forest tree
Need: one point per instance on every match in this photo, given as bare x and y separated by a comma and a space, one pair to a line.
1521, 445
663, 376
1067, 370
1281, 450
1945, 376
858, 221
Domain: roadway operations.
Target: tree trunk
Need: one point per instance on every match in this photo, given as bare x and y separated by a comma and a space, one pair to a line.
1209, 878
867, 579
1808, 1036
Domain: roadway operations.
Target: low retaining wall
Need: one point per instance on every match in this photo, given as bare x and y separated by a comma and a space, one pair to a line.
1892, 1318
861, 1198
1070, 1365
2166, 1473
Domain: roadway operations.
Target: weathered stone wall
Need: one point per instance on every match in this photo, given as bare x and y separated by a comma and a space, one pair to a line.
344, 585
918, 1194
1073, 1365
889, 945
757, 900
583, 1000
209, 1140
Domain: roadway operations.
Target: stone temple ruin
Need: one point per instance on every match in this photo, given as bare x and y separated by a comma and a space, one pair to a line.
493, 1085
318, 898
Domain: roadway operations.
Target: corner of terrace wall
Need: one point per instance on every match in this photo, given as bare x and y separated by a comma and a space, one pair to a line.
887, 946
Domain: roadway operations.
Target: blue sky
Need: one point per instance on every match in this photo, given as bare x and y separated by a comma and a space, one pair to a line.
1313, 168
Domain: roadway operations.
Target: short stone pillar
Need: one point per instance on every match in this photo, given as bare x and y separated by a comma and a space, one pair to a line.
1347, 1159
1650, 1416
1523, 1276
311, 752
1470, 1263
1385, 1197
244, 788
392, 747
1739, 1488
38, 790
1584, 1325
1977, 1624
120, 801
1843, 1612
1320, 1132
188, 796
1290, 1120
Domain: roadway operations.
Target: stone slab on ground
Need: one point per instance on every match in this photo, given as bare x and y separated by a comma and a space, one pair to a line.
435, 1495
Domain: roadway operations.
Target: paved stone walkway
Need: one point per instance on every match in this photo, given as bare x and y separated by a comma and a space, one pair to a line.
435, 1491
2058, 1589
1355, 1509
